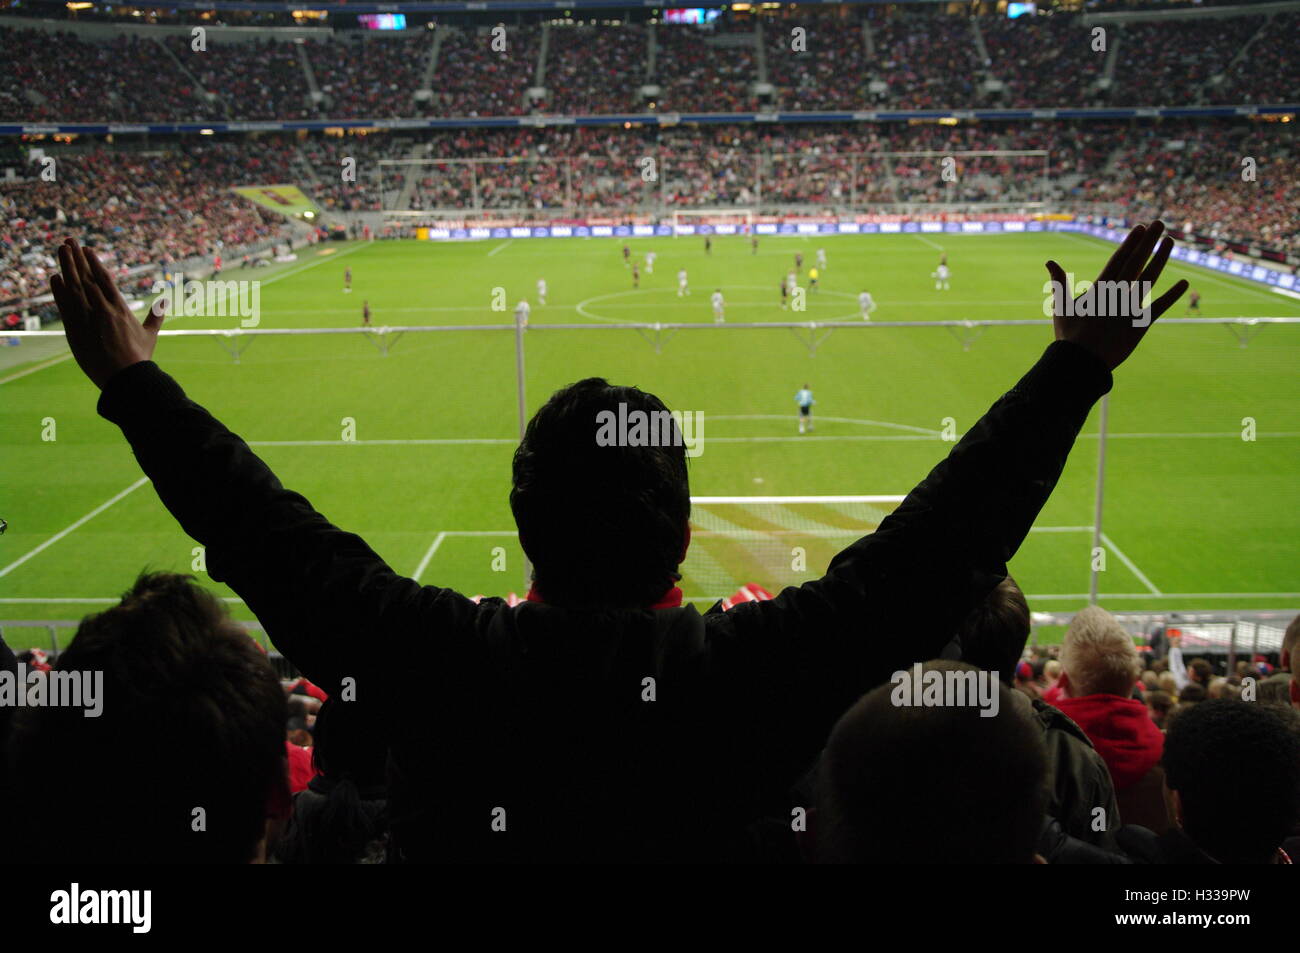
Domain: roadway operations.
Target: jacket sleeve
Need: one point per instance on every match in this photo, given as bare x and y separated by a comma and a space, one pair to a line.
1178, 667
898, 595
322, 593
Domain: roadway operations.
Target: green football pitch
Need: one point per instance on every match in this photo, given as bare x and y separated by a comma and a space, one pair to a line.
1195, 517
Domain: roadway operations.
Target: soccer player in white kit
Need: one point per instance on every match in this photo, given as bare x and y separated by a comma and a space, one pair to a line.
867, 304
940, 276
804, 398
719, 307
541, 291
682, 288
521, 312
649, 263
821, 258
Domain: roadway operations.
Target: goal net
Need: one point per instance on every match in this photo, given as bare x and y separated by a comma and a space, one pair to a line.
771, 541
723, 221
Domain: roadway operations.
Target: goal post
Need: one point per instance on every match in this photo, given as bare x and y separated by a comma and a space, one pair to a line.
724, 221
772, 541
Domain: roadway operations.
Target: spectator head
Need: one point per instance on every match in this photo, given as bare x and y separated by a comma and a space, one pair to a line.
1159, 704
604, 526
1150, 681
1274, 690
351, 743
1098, 656
909, 783
1192, 694
994, 634
1167, 682
1200, 672
191, 717
1216, 686
1289, 642
1024, 680
348, 822
1237, 816
1052, 671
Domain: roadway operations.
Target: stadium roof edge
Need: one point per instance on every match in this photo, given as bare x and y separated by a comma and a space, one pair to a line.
649, 119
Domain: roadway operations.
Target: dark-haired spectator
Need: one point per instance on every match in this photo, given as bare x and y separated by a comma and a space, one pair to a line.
1200, 672
992, 638
1024, 681
1159, 703
342, 815
915, 784
1191, 693
1101, 664
186, 757
600, 719
1236, 815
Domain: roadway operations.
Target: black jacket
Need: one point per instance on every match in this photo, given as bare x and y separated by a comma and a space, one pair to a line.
533, 716
1171, 847
1080, 781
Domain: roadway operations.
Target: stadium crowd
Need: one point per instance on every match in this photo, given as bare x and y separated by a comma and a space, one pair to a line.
172, 203
912, 60
600, 719
137, 207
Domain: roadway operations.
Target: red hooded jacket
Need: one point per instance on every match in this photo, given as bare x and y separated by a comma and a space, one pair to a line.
1121, 730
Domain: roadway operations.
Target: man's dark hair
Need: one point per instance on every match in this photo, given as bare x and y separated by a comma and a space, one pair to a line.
604, 526
193, 717
1192, 693
994, 634
1201, 671
1160, 703
913, 784
342, 817
1237, 816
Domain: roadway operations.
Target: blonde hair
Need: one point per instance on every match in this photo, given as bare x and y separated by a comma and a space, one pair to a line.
1098, 655
1052, 669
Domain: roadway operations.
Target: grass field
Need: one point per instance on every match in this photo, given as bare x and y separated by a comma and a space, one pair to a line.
1195, 516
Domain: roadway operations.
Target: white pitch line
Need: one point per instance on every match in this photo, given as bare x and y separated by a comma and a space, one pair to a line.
838, 420
430, 442
1201, 271
505, 244
39, 367
1205, 276
268, 281
1173, 595
1107, 541
770, 438
424, 563
62, 533
713, 500
928, 242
